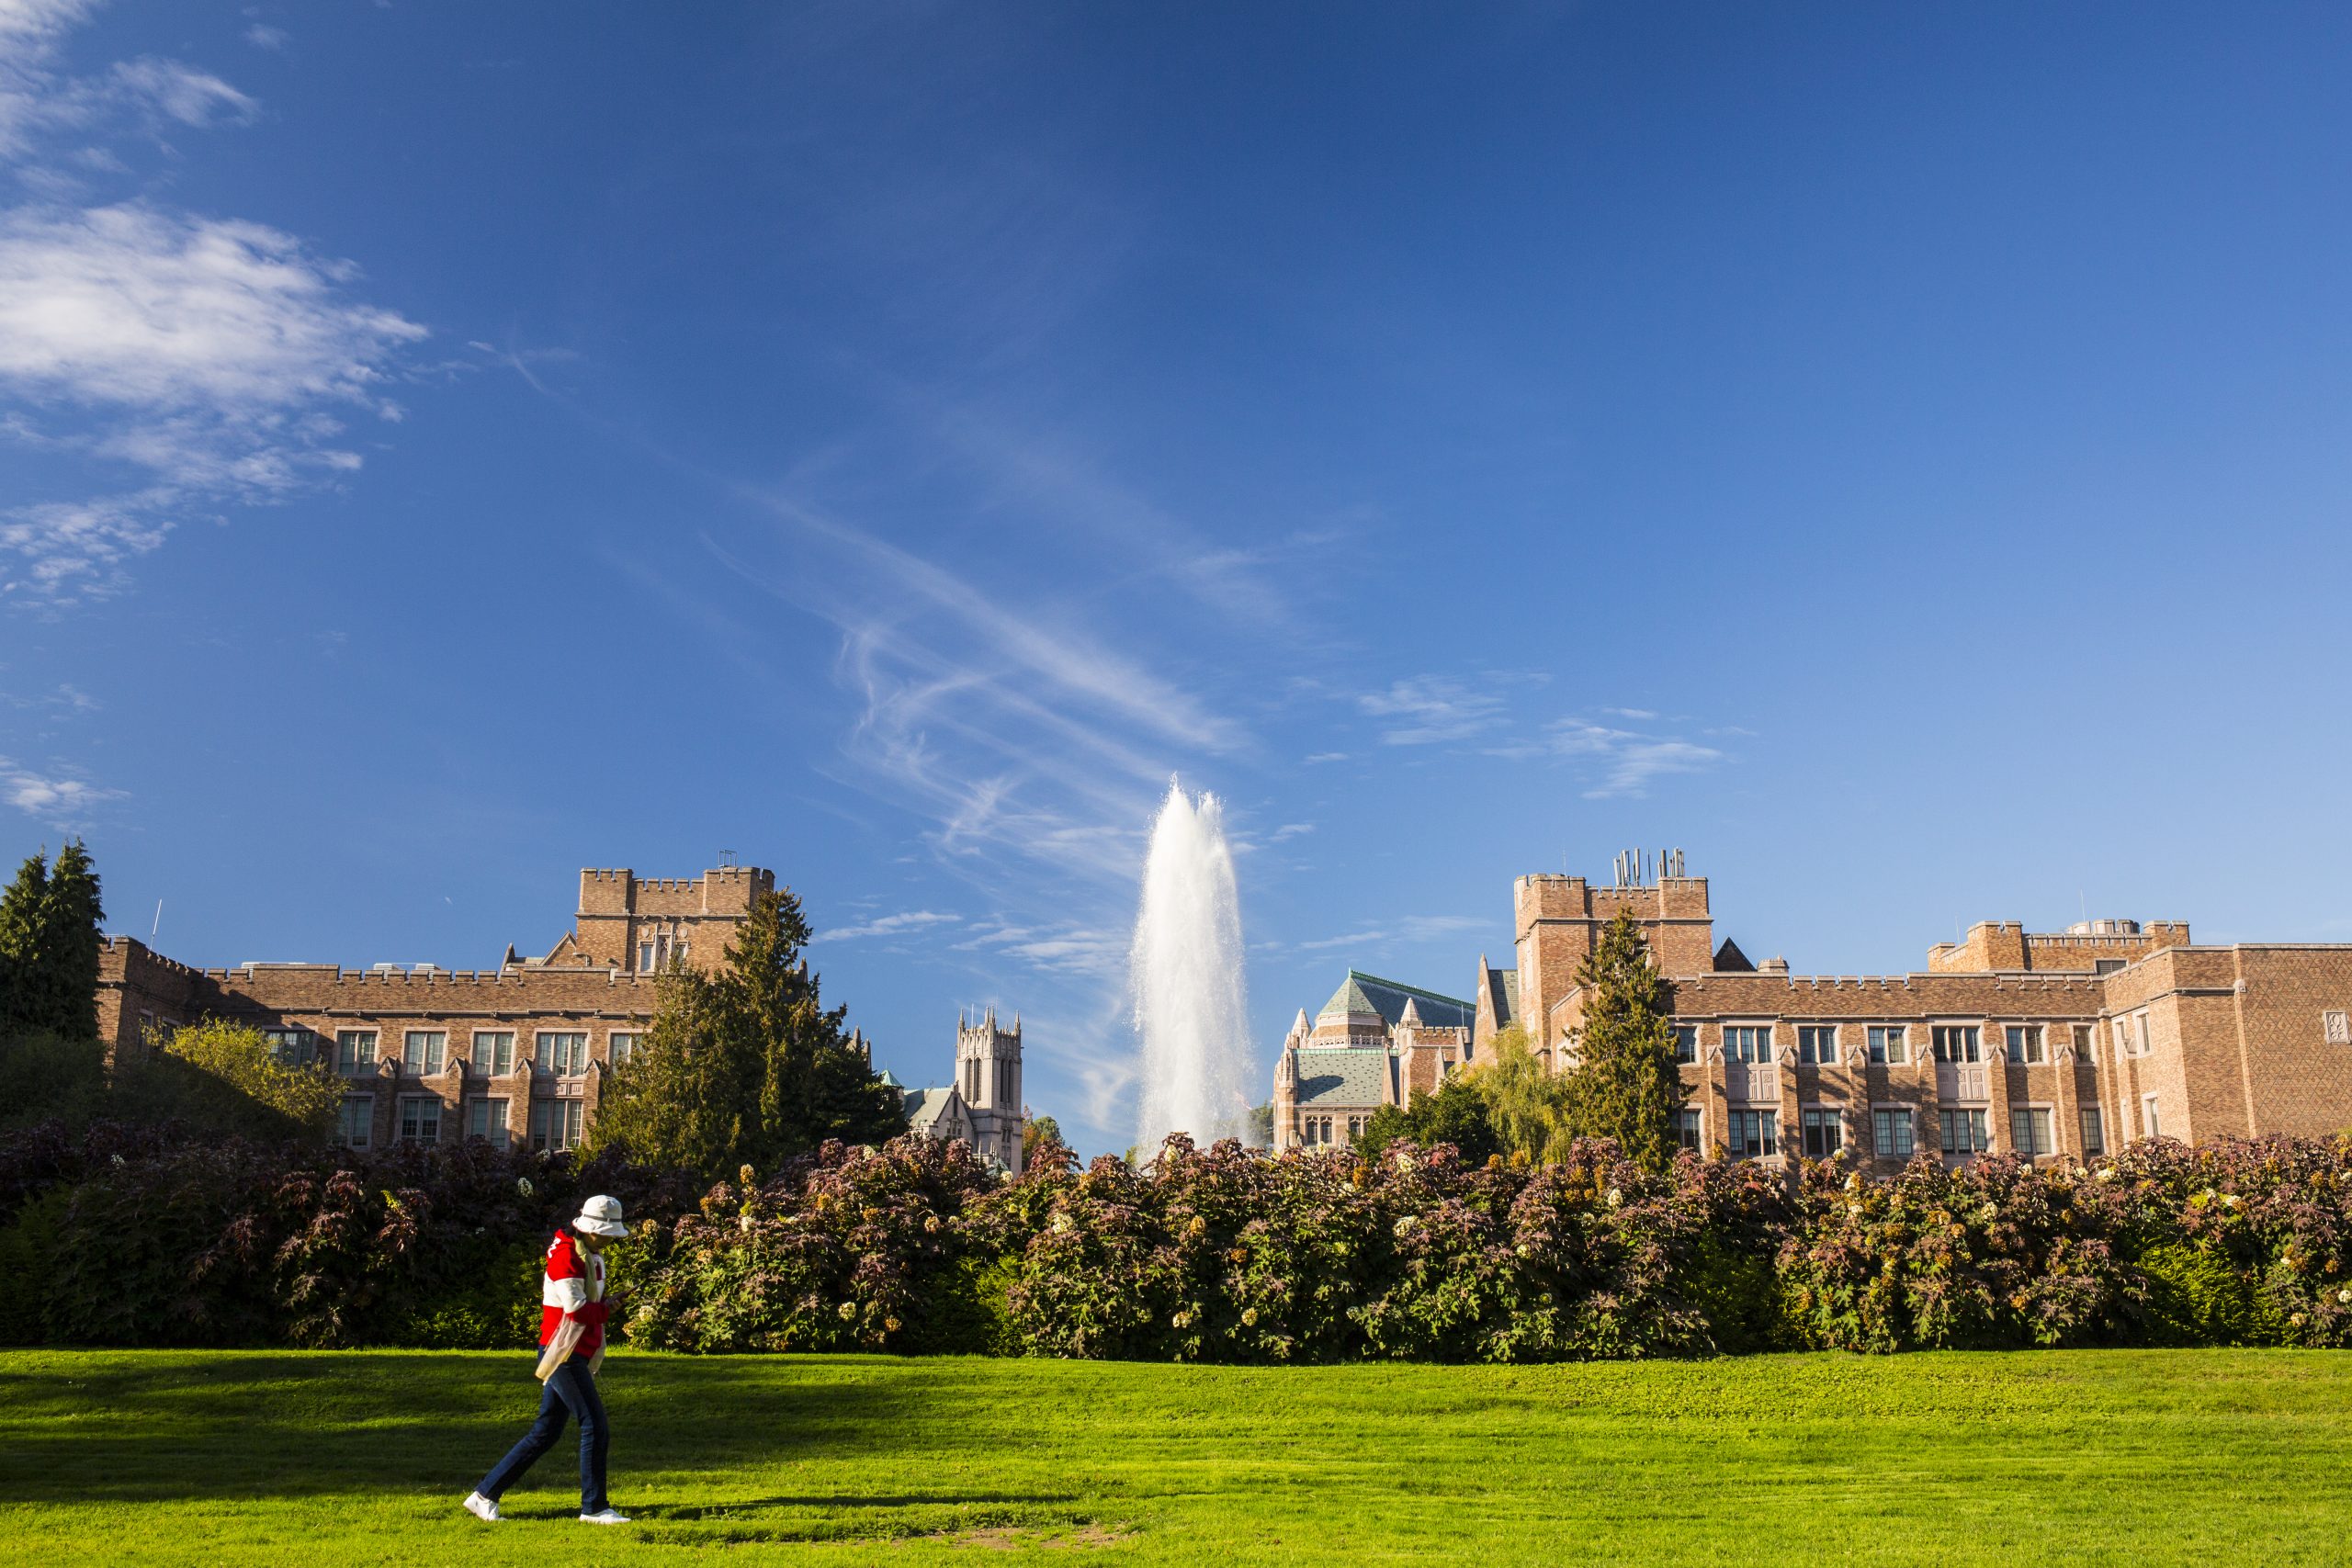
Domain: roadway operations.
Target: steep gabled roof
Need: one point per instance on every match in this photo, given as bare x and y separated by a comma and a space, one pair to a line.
926, 1106
1365, 993
1729, 960
1502, 993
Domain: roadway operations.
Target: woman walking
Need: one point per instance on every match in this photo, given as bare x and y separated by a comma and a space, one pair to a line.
571, 1349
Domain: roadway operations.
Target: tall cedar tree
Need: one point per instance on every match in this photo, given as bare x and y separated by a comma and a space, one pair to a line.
746, 1065
49, 946
1625, 1084
21, 914
70, 921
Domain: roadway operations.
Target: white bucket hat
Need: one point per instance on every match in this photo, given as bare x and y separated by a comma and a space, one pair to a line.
601, 1216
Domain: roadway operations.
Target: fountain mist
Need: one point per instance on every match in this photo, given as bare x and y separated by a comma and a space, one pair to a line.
1185, 971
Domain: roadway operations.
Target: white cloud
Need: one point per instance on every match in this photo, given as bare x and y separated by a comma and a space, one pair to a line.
1289, 831
1431, 709
262, 36
1629, 761
890, 925
1412, 928
57, 799
187, 361
179, 92
1321, 757
206, 354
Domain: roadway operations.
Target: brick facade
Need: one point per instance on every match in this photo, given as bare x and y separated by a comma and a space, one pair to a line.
518, 1053
2131, 1023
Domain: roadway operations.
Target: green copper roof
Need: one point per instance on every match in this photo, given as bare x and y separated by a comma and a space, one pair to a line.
1365, 993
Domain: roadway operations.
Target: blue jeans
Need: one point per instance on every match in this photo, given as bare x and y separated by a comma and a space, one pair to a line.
570, 1392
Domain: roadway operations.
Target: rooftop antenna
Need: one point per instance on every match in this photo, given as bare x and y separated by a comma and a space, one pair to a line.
727, 857
159, 921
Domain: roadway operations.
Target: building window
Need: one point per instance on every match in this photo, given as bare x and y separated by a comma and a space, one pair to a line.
293, 1047
624, 1048
1817, 1042
1825, 1131
1964, 1131
1686, 1042
1355, 1128
355, 1121
1748, 1043
2086, 1044
494, 1051
2148, 1126
486, 1120
1754, 1133
2132, 1035
2094, 1133
1686, 1130
1891, 1133
1889, 1044
2030, 1131
564, 1054
645, 957
423, 1051
2335, 1026
2024, 1042
420, 1119
355, 1050
556, 1123
1956, 1042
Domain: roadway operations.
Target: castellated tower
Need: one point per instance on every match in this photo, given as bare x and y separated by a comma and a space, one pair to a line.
988, 1076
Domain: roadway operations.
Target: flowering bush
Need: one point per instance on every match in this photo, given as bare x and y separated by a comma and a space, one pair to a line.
850, 1249
1216, 1254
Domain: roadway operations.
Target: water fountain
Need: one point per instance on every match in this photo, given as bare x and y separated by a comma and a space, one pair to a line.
1185, 972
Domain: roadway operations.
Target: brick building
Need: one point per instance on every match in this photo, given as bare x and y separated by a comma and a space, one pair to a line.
513, 1054
1375, 1042
2061, 1044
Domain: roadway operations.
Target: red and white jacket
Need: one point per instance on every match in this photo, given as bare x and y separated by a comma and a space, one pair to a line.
571, 1305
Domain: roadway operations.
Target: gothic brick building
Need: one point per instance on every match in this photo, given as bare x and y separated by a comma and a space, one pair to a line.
2057, 1043
517, 1054
1375, 1042
2048, 1044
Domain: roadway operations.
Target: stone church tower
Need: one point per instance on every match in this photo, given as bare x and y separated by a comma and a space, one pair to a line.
988, 1076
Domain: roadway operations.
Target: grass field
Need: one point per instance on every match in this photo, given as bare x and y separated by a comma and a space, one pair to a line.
2128, 1458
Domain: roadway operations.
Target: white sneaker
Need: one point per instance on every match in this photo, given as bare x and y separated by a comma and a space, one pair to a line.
482, 1507
608, 1516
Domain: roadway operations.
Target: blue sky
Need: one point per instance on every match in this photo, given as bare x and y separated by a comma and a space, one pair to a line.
1895, 453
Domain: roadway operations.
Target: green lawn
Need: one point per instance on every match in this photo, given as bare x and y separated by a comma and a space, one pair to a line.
2126, 1457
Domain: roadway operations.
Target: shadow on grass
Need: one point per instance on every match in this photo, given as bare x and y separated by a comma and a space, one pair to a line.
160, 1427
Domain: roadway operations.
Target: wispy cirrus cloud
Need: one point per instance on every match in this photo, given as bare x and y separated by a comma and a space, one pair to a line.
1411, 928
178, 362
1427, 709
890, 925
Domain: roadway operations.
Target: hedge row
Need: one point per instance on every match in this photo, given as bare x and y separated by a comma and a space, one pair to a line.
1212, 1256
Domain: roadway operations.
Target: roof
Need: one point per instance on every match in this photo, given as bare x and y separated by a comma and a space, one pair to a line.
1502, 993
925, 1106
1362, 993
1729, 960
1343, 1074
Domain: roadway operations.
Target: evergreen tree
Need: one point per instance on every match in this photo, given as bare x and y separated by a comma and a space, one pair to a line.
747, 1067
1625, 1084
67, 966
22, 916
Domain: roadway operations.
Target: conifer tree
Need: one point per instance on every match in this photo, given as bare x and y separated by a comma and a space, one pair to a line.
21, 918
67, 967
747, 1065
1625, 1084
